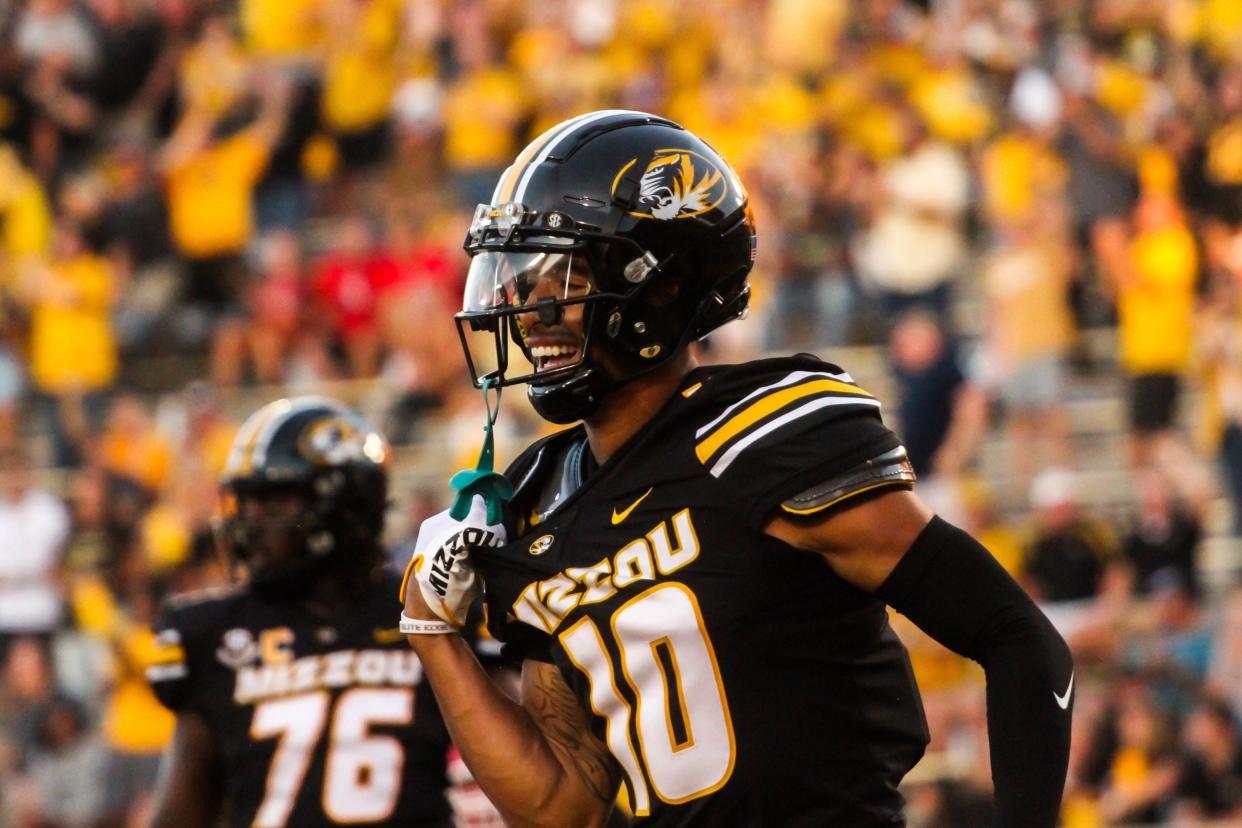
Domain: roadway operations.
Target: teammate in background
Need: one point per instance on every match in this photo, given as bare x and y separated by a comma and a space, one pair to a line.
695, 576
297, 702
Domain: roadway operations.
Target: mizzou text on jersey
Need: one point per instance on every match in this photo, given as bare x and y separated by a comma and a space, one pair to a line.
318, 724
735, 680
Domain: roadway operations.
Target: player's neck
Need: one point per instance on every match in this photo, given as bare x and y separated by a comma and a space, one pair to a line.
632, 406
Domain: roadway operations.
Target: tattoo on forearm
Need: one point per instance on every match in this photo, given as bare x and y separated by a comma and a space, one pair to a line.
557, 714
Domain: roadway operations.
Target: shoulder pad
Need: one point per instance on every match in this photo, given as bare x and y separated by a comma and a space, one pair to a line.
771, 400
204, 603
187, 618
184, 624
737, 380
532, 464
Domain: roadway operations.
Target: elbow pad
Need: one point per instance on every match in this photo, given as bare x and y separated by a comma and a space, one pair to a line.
890, 469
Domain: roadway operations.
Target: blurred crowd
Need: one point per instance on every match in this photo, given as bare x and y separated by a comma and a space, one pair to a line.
1032, 210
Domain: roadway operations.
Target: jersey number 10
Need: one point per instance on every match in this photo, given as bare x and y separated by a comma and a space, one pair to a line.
681, 716
362, 774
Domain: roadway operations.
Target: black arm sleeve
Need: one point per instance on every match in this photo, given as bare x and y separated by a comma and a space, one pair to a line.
956, 592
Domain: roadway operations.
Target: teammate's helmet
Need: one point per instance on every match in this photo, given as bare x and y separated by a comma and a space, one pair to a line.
330, 459
627, 214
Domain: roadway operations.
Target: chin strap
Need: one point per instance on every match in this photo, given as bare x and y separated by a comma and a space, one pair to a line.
482, 480
572, 399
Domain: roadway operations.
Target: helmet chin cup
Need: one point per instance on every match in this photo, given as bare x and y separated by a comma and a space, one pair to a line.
569, 400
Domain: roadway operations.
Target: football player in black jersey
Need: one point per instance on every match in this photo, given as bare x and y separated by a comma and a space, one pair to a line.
695, 577
297, 702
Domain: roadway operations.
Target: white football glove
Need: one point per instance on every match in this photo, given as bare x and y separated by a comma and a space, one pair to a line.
441, 560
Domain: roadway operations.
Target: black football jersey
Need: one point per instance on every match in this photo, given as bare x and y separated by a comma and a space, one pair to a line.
318, 723
736, 680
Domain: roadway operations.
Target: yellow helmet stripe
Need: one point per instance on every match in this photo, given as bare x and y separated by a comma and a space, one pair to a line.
246, 439
509, 180
262, 420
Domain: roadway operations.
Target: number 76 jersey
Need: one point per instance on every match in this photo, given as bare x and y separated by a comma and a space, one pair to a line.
316, 723
736, 680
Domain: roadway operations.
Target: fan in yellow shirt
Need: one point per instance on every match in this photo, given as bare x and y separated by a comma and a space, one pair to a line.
213, 72
802, 35
1017, 169
360, 76
72, 348
1155, 298
210, 183
482, 110
1153, 274
951, 103
25, 218
135, 726
1221, 28
132, 447
210, 175
281, 28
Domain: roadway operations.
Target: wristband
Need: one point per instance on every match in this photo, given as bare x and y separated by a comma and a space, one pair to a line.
418, 626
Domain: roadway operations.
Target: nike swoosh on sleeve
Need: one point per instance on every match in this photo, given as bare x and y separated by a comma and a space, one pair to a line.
1063, 701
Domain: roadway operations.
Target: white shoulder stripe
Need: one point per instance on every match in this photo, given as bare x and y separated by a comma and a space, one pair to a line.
165, 672
767, 428
789, 379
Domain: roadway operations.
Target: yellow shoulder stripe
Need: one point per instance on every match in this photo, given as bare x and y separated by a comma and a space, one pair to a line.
166, 654
766, 405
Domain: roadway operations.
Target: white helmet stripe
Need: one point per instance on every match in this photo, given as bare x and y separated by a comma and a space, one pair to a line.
508, 182
284, 408
569, 128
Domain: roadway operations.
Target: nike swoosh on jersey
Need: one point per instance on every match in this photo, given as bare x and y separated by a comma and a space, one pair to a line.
617, 517
386, 636
1063, 701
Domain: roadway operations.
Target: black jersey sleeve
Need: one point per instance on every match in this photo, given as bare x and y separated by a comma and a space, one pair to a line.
182, 633
169, 670
778, 428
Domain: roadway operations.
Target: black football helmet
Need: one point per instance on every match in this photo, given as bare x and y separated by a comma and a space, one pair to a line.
329, 463
630, 216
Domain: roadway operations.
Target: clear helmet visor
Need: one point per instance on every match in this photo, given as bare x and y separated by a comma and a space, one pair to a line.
536, 299
513, 279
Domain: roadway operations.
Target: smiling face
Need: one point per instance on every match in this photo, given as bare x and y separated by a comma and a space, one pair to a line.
546, 287
554, 338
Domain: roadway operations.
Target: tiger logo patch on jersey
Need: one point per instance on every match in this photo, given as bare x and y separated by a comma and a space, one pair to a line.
237, 648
